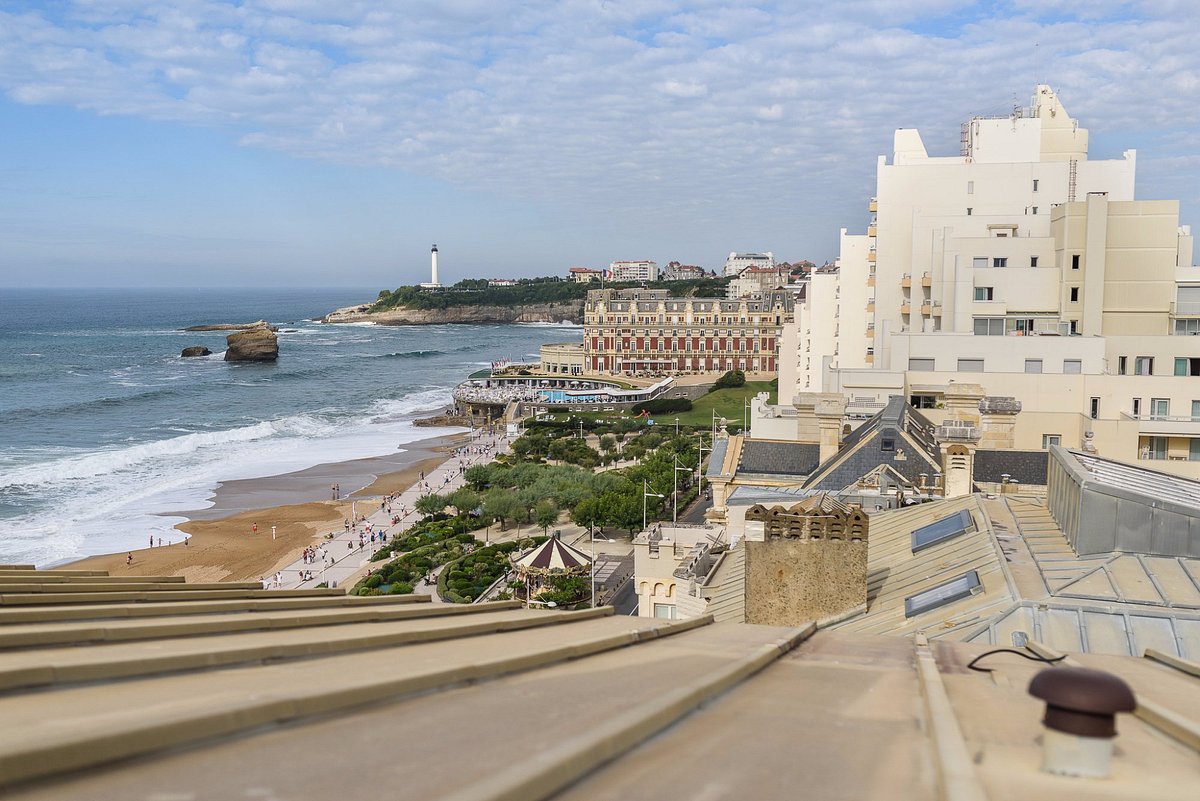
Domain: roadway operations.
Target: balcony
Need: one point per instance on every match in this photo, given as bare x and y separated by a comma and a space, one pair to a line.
906, 281
905, 308
1185, 309
870, 331
871, 255
1165, 424
871, 305
873, 205
926, 279
933, 308
871, 279
869, 358
871, 229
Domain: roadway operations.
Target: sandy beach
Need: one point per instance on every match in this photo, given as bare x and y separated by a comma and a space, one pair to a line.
224, 546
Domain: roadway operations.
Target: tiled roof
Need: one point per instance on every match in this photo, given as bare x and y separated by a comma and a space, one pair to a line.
1026, 467
768, 457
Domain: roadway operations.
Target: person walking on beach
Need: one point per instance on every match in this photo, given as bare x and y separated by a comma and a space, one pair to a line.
129, 559
254, 528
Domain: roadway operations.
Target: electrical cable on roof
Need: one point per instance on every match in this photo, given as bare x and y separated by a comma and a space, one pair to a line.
1031, 657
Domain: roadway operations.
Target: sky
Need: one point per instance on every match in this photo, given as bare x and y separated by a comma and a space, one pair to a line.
308, 143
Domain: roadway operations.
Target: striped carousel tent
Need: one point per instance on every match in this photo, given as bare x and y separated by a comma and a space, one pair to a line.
553, 556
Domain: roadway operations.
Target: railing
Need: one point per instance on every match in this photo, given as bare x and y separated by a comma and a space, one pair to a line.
1189, 308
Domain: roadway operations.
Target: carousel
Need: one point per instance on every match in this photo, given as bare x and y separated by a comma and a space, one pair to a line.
537, 568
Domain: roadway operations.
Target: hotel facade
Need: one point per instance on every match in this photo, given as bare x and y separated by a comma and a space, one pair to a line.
648, 331
1024, 267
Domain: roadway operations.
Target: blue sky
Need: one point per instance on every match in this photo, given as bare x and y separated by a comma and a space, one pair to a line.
301, 142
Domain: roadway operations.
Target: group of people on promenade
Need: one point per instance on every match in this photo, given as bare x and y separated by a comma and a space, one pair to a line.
394, 510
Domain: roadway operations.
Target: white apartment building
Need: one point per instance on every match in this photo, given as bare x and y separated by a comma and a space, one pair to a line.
633, 271
740, 261
1023, 266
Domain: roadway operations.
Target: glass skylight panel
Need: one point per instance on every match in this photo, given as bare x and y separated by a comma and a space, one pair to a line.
941, 530
945, 593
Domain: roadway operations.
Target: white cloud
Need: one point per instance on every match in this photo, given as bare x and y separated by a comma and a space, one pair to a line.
576, 103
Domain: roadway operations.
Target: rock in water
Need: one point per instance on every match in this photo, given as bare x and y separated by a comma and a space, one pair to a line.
252, 345
196, 350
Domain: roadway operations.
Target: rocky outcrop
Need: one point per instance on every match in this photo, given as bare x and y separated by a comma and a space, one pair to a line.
252, 345
232, 326
567, 311
196, 350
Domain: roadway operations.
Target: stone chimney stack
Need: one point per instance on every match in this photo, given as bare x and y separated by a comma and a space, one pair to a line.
998, 422
810, 563
819, 420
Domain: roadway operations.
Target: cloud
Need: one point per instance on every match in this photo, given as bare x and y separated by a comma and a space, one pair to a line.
614, 108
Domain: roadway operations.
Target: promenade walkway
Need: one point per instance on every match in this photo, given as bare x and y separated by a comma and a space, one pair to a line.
346, 556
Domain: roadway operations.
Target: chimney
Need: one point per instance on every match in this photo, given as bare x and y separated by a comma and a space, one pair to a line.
810, 564
819, 420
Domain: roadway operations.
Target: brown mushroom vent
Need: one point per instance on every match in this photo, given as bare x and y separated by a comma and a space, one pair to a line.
1081, 701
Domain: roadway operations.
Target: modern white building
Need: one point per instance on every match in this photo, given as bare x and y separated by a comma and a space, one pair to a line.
740, 261
1023, 266
633, 271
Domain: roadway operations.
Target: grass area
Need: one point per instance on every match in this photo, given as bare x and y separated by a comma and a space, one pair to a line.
728, 403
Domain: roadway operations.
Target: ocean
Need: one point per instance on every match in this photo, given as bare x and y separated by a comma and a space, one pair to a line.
105, 430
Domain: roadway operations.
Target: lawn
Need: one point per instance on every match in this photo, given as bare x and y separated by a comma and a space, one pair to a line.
728, 403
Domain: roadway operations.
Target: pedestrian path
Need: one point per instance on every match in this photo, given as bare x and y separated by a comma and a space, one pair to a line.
343, 557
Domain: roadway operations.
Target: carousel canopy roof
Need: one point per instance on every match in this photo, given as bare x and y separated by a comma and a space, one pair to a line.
553, 555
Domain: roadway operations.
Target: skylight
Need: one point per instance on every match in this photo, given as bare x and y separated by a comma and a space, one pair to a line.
948, 592
941, 530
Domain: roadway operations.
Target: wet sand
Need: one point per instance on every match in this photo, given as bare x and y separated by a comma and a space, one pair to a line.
224, 546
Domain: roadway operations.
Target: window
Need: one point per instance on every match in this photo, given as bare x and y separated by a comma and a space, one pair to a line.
989, 326
1072, 366
920, 364
664, 611
1035, 184
1000, 261
1185, 365
1094, 408
1051, 439
983, 293
979, 261
1195, 410
1160, 408
1143, 365
970, 365
928, 401
1075, 262
970, 211
1154, 448
1137, 407
1033, 261
1074, 327
1122, 364
970, 187
1033, 365
1184, 328
941, 530
1074, 294
1035, 209
1194, 450
947, 592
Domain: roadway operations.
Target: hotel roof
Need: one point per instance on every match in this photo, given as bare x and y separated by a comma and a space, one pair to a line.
317, 697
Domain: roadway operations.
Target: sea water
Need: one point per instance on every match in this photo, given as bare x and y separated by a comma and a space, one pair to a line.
105, 430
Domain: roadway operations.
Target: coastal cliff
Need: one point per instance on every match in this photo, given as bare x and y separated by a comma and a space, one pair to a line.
569, 311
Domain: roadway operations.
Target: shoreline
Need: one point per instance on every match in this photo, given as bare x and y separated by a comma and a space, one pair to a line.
222, 544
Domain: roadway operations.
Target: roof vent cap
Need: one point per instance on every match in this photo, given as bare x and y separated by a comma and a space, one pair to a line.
1080, 719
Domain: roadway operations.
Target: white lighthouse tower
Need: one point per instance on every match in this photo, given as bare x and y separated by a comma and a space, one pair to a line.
433, 278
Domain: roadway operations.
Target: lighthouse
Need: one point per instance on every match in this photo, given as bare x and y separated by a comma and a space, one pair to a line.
433, 278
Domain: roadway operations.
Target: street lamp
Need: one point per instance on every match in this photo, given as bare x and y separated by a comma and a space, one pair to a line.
677, 426
646, 493
675, 478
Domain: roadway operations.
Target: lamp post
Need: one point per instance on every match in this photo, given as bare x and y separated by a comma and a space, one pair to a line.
646, 493
700, 464
677, 426
675, 478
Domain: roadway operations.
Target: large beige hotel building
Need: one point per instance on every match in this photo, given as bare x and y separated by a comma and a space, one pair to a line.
648, 331
1023, 266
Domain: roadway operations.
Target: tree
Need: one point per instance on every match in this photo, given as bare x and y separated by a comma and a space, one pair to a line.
463, 500
546, 513
430, 505
608, 442
588, 513
621, 510
501, 505
478, 476
734, 378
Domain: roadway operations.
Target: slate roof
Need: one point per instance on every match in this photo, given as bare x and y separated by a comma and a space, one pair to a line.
1027, 467
767, 457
